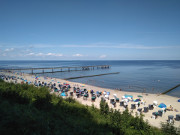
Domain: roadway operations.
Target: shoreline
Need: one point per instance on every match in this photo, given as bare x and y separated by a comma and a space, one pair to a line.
149, 98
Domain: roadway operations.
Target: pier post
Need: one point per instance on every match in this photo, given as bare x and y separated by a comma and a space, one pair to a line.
32, 71
43, 71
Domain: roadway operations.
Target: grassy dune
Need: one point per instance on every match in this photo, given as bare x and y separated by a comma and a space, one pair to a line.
28, 110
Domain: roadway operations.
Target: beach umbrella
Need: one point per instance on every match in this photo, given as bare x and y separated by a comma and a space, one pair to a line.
63, 94
126, 96
179, 100
108, 93
162, 105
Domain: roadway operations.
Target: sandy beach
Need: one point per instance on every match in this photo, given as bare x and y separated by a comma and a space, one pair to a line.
148, 98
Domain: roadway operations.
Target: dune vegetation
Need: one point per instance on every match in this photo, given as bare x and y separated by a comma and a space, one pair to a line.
29, 110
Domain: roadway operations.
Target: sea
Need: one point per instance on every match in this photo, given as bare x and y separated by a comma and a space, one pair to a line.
146, 76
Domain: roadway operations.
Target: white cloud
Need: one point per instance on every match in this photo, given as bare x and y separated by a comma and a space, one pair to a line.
40, 54
31, 54
43, 54
103, 56
49, 54
54, 54
9, 49
78, 55
59, 55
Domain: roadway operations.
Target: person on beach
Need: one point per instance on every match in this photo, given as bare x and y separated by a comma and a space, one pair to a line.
138, 104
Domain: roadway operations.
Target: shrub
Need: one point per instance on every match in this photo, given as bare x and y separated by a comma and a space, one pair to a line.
26, 109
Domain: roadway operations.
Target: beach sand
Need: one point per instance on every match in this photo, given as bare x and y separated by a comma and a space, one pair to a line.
149, 98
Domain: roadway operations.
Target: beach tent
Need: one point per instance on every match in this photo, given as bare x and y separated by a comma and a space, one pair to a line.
92, 91
63, 94
179, 100
126, 96
55, 90
137, 100
125, 100
115, 95
106, 96
155, 103
108, 93
162, 105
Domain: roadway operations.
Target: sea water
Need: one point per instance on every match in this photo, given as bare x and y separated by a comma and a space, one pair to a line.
135, 75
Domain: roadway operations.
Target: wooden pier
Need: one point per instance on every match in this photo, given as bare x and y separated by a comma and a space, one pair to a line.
58, 69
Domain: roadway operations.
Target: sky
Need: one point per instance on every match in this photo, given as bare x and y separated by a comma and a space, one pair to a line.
89, 29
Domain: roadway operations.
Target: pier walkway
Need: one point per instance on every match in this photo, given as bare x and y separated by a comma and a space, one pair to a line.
58, 69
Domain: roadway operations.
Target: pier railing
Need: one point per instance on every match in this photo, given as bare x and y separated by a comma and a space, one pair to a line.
59, 69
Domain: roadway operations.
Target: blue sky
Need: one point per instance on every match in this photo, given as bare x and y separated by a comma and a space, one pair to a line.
89, 29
